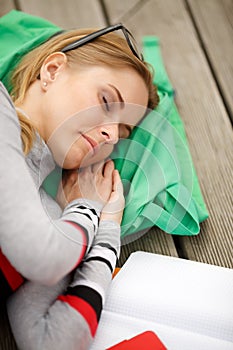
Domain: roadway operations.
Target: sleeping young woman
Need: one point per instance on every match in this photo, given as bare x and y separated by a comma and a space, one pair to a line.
74, 97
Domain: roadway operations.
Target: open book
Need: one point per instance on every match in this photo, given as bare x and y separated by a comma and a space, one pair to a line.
189, 305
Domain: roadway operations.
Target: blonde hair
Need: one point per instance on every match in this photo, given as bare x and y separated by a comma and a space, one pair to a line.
110, 49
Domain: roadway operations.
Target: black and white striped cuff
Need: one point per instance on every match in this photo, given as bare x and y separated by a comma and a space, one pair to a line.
104, 254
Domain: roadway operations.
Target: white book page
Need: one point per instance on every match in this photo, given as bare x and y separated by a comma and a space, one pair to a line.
173, 293
115, 328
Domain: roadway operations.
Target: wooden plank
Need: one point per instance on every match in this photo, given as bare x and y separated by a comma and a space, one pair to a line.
207, 124
6, 6
118, 10
71, 14
214, 21
154, 241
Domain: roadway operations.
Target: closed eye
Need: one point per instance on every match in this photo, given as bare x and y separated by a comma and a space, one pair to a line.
106, 104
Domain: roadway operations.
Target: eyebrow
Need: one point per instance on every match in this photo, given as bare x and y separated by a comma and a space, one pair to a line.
119, 95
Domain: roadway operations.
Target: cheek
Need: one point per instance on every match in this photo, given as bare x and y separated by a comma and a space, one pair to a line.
66, 147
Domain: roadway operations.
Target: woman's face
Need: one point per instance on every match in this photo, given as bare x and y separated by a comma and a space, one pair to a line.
86, 112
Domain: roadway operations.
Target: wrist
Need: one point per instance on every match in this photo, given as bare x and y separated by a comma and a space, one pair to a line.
87, 203
110, 224
109, 235
111, 217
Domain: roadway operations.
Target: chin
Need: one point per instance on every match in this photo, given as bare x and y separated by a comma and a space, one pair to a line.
70, 163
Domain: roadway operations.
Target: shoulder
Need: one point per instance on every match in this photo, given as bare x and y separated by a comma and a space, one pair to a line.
9, 122
5, 97
7, 109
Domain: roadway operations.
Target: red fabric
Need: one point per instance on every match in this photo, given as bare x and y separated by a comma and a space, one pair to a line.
84, 309
146, 341
12, 276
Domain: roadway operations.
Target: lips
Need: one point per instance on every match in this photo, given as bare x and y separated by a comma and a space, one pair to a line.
91, 142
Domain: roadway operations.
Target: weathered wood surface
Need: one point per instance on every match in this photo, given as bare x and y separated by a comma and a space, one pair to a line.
67, 14
6, 6
214, 23
154, 241
196, 42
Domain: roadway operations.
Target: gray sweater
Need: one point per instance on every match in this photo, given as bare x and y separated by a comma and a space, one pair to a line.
41, 249
44, 244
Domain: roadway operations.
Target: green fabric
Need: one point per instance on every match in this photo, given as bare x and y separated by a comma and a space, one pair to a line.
164, 188
159, 178
20, 33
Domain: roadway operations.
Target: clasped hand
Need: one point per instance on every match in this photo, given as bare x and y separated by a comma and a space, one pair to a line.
100, 182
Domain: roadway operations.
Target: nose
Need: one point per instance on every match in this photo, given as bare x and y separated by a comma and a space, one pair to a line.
110, 133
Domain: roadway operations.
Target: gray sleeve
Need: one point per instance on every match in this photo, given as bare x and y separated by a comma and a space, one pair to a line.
39, 248
65, 316
39, 321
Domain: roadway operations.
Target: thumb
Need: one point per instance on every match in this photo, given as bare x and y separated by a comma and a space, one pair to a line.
116, 201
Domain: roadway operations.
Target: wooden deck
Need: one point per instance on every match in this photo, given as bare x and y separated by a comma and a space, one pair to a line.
197, 48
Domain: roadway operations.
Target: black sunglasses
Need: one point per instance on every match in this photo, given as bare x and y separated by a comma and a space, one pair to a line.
92, 36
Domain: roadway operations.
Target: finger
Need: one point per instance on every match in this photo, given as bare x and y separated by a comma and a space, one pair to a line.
70, 178
97, 168
64, 176
108, 168
117, 183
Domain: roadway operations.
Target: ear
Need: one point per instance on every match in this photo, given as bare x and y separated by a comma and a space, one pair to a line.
52, 66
